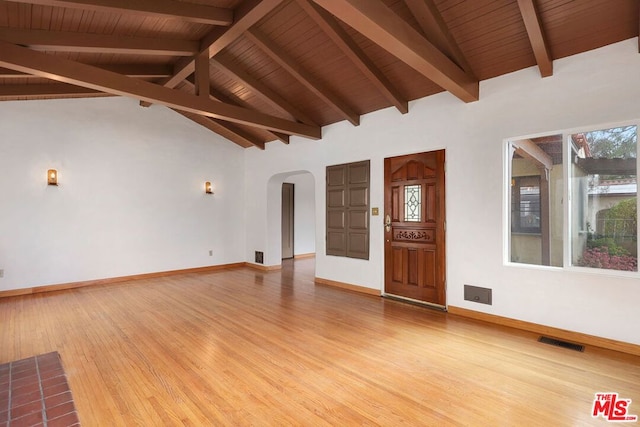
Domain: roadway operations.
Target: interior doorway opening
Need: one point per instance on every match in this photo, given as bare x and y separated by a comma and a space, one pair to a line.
302, 237
288, 220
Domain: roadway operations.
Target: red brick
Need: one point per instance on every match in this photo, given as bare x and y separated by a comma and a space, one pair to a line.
60, 410
48, 357
58, 399
24, 398
29, 408
4, 399
55, 390
52, 382
23, 365
28, 420
52, 373
26, 381
70, 419
25, 389
15, 376
48, 366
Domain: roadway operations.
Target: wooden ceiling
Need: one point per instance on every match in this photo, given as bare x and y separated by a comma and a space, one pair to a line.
258, 71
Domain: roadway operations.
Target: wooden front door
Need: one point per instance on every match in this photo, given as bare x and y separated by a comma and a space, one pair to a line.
414, 227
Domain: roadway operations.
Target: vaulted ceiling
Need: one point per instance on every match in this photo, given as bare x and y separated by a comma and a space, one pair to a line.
256, 71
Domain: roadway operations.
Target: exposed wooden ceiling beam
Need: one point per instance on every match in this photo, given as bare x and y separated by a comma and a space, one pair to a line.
139, 70
340, 37
227, 130
219, 96
381, 25
246, 15
536, 36
303, 76
262, 90
158, 8
132, 70
37, 91
97, 43
202, 81
437, 32
63, 70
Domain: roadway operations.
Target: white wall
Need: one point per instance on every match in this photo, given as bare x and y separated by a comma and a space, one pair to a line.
593, 88
130, 198
304, 215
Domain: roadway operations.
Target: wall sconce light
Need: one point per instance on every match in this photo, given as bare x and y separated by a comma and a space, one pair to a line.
52, 177
208, 188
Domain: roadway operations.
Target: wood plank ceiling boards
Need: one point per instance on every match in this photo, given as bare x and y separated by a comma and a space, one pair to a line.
259, 71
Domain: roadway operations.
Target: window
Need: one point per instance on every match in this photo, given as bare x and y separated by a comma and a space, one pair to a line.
412, 203
536, 210
604, 189
597, 227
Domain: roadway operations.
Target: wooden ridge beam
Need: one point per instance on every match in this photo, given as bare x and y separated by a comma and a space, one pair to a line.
381, 25
266, 93
340, 37
539, 45
63, 41
192, 12
246, 15
303, 76
63, 70
219, 96
437, 32
226, 130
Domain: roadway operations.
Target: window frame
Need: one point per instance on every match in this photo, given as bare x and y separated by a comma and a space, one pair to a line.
567, 196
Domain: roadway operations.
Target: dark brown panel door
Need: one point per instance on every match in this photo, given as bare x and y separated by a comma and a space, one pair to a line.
348, 210
414, 237
336, 210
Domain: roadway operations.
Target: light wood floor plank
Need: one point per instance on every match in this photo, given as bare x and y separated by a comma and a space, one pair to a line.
247, 347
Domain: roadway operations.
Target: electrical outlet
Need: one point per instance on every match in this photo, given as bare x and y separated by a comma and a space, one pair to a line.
1, 272
259, 257
210, 253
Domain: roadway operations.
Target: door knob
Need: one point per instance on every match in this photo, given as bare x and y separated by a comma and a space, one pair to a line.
387, 223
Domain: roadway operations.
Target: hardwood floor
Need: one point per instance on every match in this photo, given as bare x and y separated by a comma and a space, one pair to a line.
245, 347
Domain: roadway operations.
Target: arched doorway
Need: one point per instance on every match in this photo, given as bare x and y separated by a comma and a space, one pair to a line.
304, 219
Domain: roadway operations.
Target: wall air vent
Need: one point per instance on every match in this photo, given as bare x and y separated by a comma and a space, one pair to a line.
560, 343
477, 294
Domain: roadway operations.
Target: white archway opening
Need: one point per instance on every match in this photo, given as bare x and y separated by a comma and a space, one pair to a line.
304, 215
